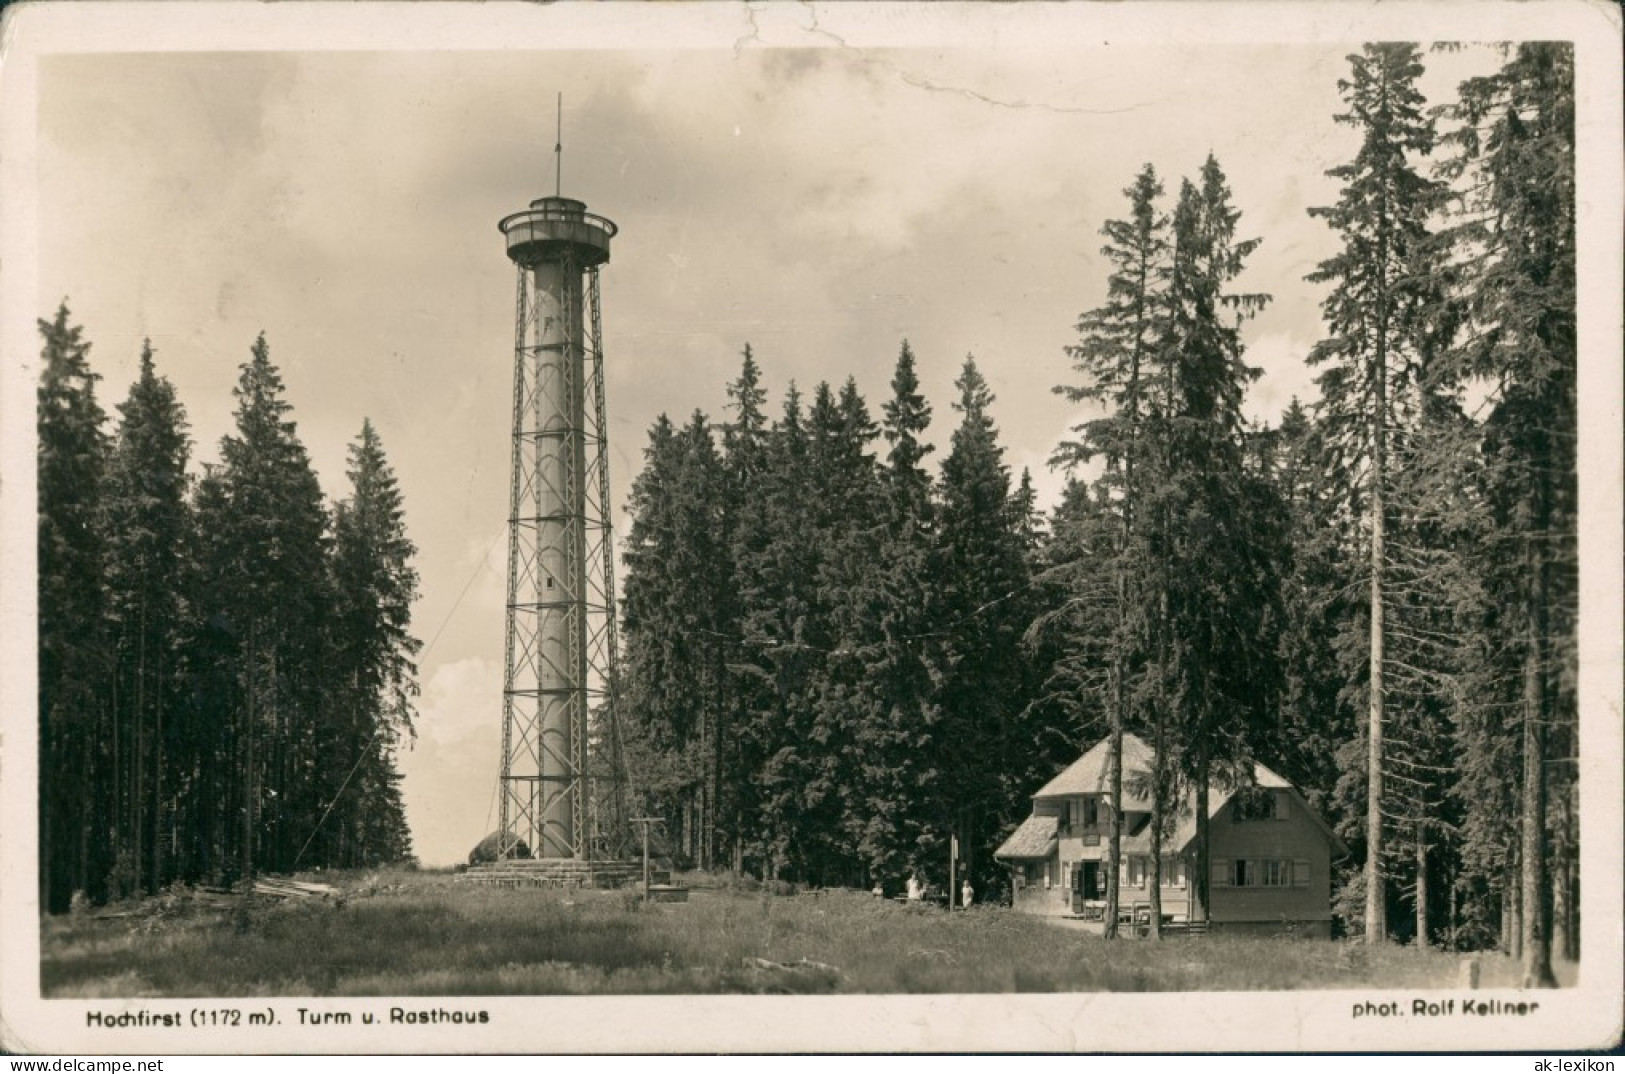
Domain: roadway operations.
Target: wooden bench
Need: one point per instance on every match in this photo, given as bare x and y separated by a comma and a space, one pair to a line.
1185, 928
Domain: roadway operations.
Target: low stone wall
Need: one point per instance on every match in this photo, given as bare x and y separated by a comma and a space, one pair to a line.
554, 873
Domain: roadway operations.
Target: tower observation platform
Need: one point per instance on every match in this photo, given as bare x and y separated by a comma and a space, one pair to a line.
555, 229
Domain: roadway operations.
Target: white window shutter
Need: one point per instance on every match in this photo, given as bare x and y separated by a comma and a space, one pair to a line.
1300, 873
1221, 872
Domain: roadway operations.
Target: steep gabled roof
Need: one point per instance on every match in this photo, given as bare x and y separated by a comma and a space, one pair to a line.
1090, 773
1220, 794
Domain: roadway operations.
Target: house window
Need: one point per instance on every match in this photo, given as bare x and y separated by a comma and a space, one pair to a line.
1173, 873
1260, 873
1255, 804
1091, 812
1137, 868
1300, 873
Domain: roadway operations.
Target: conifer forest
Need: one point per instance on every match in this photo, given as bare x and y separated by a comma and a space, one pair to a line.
840, 653
225, 663
851, 633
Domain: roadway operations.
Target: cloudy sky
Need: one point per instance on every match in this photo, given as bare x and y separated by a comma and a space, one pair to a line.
819, 202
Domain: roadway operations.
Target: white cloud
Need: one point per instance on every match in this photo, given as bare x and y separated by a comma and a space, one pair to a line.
1285, 376
450, 773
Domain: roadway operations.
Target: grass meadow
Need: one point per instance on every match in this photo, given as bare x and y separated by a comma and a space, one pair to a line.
405, 933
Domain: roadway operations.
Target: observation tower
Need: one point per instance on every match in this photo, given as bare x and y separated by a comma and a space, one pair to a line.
562, 779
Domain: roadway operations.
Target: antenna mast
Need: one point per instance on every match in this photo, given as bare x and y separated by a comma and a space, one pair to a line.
558, 151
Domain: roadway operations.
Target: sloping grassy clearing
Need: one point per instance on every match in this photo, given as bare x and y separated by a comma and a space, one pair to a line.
425, 934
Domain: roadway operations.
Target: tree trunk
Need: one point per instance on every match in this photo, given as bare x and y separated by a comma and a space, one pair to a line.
1515, 920
1560, 907
1422, 939
1376, 907
1455, 916
1200, 883
1155, 879
117, 803
248, 762
138, 804
717, 810
1376, 895
1114, 839
1568, 913
158, 877
88, 816
1536, 895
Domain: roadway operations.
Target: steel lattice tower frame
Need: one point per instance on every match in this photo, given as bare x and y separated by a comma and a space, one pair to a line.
562, 779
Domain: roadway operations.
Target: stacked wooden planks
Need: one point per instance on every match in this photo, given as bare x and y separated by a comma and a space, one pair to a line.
281, 888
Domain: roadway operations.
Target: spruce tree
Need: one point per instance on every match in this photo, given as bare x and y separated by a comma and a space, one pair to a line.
1116, 353
1212, 545
744, 461
983, 582
1439, 529
1375, 317
674, 637
268, 591
1516, 280
781, 637
78, 794
651, 728
1316, 716
372, 664
843, 501
148, 528
897, 733
210, 780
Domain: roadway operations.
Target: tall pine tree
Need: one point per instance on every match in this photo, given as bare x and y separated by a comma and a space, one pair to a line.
369, 709
1219, 586
898, 730
267, 594
148, 527
1375, 318
1118, 347
675, 630
76, 726
1517, 288
983, 584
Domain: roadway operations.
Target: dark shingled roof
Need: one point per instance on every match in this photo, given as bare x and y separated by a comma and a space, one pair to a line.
1034, 839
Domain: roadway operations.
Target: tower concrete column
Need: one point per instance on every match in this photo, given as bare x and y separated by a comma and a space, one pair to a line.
559, 642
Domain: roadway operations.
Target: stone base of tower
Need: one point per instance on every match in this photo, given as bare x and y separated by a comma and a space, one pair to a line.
554, 873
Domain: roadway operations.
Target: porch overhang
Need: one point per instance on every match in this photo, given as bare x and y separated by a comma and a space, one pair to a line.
1034, 840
